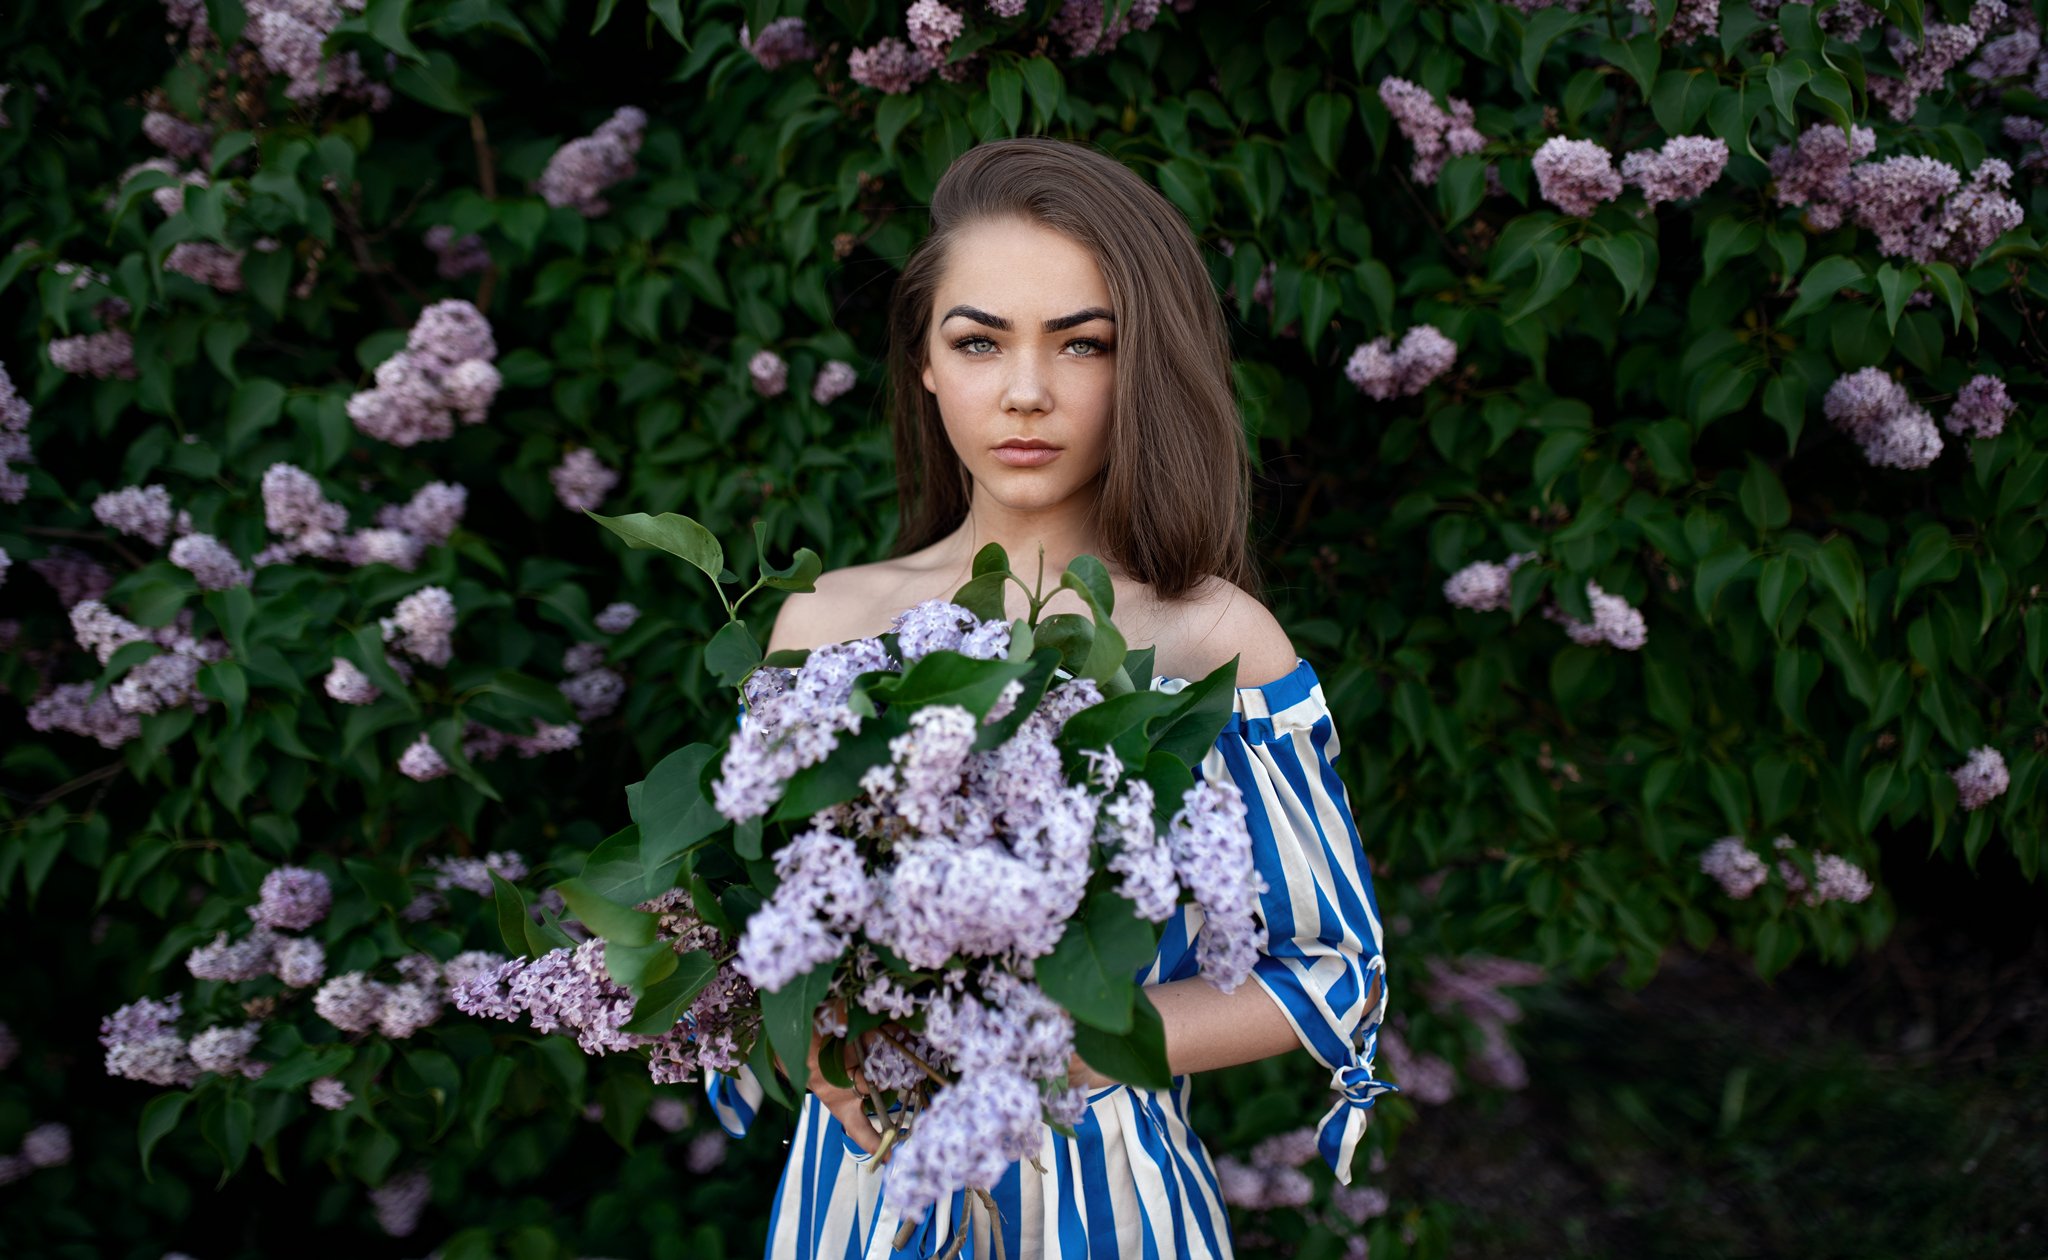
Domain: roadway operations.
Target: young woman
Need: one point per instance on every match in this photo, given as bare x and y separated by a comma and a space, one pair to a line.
1061, 378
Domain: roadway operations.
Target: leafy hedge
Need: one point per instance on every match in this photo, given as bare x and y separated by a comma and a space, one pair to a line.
1724, 584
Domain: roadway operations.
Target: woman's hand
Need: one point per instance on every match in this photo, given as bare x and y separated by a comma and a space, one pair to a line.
843, 1103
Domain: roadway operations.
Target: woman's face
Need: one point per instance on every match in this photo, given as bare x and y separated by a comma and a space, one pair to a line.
1000, 372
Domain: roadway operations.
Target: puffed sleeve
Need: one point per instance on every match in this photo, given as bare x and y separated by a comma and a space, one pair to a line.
1321, 961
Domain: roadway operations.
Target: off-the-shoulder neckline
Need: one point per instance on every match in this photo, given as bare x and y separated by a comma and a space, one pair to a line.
1287, 690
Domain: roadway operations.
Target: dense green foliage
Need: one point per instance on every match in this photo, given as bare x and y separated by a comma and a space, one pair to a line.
1637, 399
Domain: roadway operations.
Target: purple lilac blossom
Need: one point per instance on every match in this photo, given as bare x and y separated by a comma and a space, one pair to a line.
781, 41
889, 66
594, 693
2007, 57
1615, 622
14, 444
139, 511
833, 380
1575, 175
110, 353
350, 1002
210, 563
443, 374
973, 1130
1735, 866
1876, 411
770, 374
823, 896
617, 617
423, 625
225, 1051
1212, 854
1815, 171
581, 480
1437, 134
401, 1201
1140, 854
300, 963
350, 685
1383, 372
456, 256
293, 898
47, 1145
933, 27
1981, 779
214, 266
1927, 64
584, 167
1685, 167
421, 761
793, 728
1918, 211
175, 136
431, 515
1981, 408
245, 959
143, 1044
1483, 586
72, 707
1692, 20
329, 1092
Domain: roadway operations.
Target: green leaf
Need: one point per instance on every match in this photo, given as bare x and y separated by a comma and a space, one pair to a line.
1721, 567
1680, 97
1047, 86
1624, 256
670, 14
1896, 286
1840, 571
159, 1117
1558, 451
1092, 971
1556, 267
1460, 187
787, 1015
1729, 238
1327, 115
387, 22
671, 532
1818, 287
1763, 497
604, 15
673, 813
1931, 556
665, 1001
731, 654
1638, 56
894, 114
513, 916
1782, 577
1006, 93
1137, 1057
1538, 35
1786, 78
605, 917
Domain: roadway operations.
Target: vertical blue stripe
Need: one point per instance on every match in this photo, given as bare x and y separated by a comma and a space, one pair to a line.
1073, 1235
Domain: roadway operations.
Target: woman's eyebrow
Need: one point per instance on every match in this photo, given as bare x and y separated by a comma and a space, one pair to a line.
997, 322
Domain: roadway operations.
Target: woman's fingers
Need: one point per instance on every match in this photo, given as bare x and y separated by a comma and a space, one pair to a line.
846, 1108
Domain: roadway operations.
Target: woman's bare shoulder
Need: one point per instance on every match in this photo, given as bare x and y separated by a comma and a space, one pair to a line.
842, 604
1216, 621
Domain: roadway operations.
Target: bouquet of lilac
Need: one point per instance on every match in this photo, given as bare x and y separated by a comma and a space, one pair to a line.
949, 845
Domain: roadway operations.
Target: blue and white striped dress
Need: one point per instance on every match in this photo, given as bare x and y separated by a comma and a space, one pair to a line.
1134, 1181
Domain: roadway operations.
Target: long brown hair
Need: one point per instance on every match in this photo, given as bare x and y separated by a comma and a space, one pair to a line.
1175, 500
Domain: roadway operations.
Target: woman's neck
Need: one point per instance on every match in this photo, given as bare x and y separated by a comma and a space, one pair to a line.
1065, 531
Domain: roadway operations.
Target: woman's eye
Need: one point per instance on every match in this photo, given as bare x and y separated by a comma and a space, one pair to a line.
1095, 348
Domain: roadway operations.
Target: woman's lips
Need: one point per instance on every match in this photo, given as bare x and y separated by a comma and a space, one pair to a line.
1027, 456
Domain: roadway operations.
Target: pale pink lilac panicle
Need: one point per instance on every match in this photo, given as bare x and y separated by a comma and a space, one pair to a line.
175, 136
617, 617
143, 512
833, 380
104, 355
582, 481
456, 256
1438, 133
1685, 167
1981, 407
769, 372
584, 167
1981, 779
781, 41
889, 66
330, 1093
210, 563
1575, 175
1735, 866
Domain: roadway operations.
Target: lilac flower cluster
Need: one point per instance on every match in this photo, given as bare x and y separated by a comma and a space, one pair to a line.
769, 372
143, 1044
45, 1146
1470, 986
1427, 1078
143, 512
1693, 20
617, 617
2031, 132
1575, 175
582, 169
781, 41
581, 480
823, 896
175, 136
834, 379
456, 256
288, 35
105, 354
215, 266
355, 1003
330, 1093
593, 689
423, 625
1383, 371
889, 66
1740, 871
472, 874
1981, 408
938, 625
1917, 210
1927, 64
14, 443
210, 563
1483, 586
1615, 622
1876, 411
400, 1202
1438, 134
1685, 167
163, 681
796, 717
444, 372
1080, 24
1271, 1177
1981, 779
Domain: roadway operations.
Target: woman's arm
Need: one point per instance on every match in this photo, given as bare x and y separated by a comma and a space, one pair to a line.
1207, 1028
